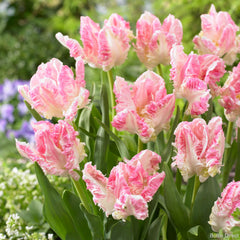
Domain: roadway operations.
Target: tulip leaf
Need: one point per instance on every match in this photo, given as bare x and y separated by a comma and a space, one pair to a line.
197, 233
176, 209
54, 209
34, 113
123, 151
168, 149
95, 224
102, 140
122, 230
207, 193
72, 203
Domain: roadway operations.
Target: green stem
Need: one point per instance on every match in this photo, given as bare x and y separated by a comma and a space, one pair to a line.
159, 70
140, 145
86, 200
195, 190
226, 164
178, 181
112, 96
237, 170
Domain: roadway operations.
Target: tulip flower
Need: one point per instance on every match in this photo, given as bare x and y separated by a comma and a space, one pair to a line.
218, 36
222, 210
130, 185
200, 148
192, 75
102, 48
53, 92
144, 107
154, 41
57, 149
230, 96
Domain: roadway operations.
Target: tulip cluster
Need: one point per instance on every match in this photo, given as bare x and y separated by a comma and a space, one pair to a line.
147, 120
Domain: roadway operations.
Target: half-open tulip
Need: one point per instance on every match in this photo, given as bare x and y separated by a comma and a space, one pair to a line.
200, 148
57, 149
54, 92
218, 36
130, 185
143, 107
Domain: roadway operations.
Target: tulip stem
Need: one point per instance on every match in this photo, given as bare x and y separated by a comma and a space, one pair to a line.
226, 164
112, 96
82, 193
140, 145
159, 70
237, 170
195, 190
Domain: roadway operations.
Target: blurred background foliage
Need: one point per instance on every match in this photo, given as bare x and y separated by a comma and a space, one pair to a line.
28, 27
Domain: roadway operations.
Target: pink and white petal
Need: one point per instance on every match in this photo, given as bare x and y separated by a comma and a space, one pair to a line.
205, 45
160, 113
154, 182
97, 185
27, 151
80, 73
128, 205
89, 31
178, 60
148, 159
72, 44
123, 95
78, 102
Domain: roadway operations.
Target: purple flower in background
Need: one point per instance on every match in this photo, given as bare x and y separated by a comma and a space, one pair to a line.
7, 112
26, 132
3, 125
9, 89
22, 108
1, 93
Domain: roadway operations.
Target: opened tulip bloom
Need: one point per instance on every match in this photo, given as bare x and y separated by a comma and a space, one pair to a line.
222, 210
154, 41
144, 107
192, 75
230, 94
200, 148
54, 92
130, 185
57, 149
102, 48
218, 36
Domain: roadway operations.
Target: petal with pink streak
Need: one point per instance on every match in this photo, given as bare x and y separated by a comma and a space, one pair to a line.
97, 185
72, 44
128, 205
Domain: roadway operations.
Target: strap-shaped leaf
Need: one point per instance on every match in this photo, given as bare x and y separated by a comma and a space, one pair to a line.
197, 233
176, 209
207, 194
72, 203
119, 143
102, 140
95, 224
122, 230
54, 208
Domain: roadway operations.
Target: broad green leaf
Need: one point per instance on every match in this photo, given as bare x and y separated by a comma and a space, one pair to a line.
120, 144
34, 113
197, 233
102, 140
168, 149
95, 224
152, 206
122, 230
54, 208
176, 209
189, 191
207, 194
72, 203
